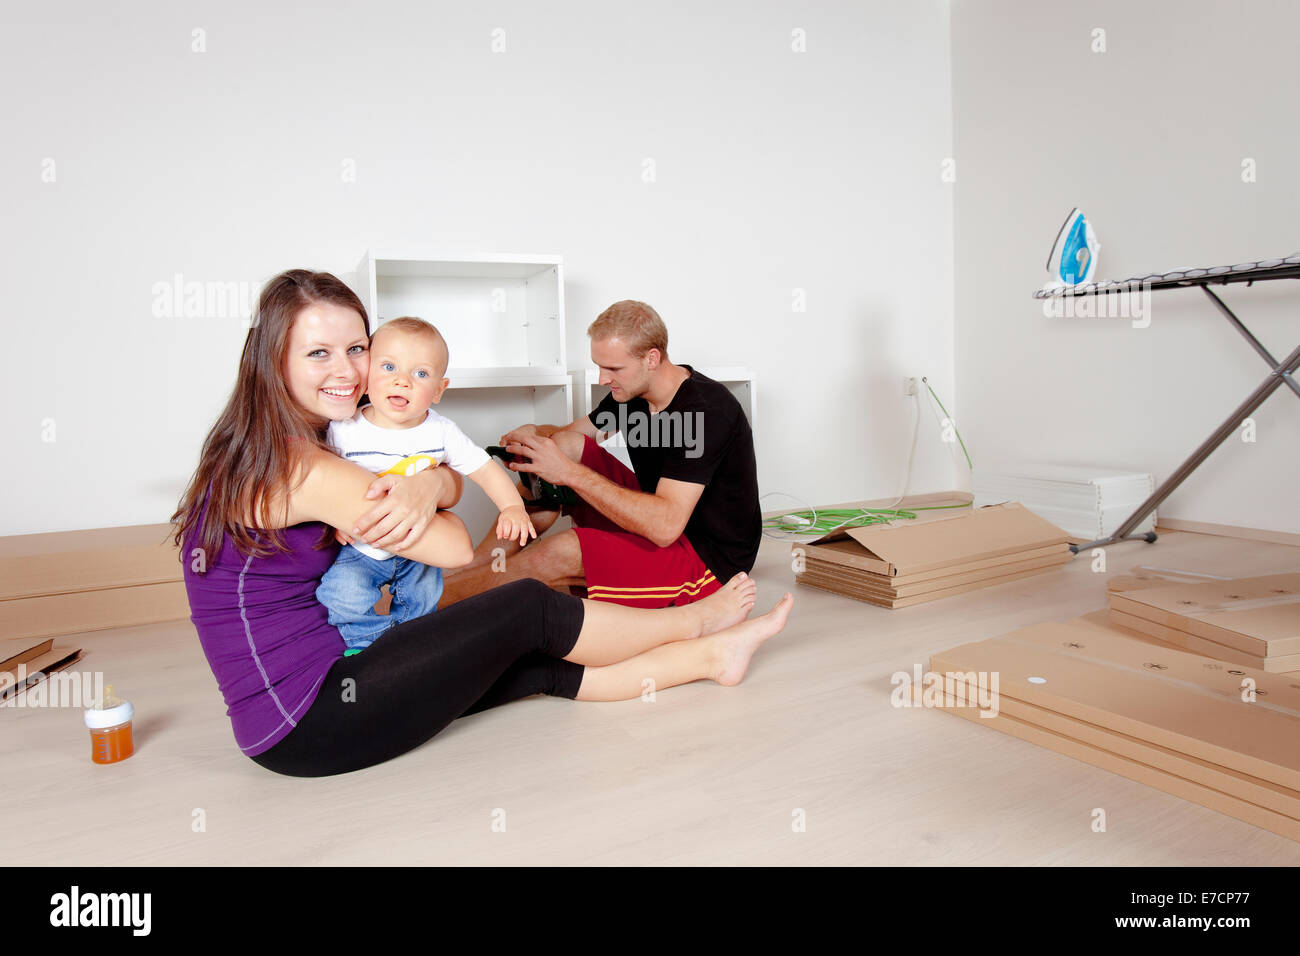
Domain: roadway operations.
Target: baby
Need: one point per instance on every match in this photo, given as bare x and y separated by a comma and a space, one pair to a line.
398, 433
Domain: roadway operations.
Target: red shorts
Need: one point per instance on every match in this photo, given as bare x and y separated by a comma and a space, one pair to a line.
625, 568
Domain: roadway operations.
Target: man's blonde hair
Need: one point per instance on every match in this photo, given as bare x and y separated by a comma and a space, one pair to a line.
634, 324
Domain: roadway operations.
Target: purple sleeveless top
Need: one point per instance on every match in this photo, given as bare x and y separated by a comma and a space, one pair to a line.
267, 639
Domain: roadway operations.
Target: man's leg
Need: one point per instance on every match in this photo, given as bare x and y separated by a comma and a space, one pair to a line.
625, 568
555, 560
483, 552
572, 444
609, 468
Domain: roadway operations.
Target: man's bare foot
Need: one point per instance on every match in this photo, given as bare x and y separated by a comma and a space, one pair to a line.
735, 646
726, 606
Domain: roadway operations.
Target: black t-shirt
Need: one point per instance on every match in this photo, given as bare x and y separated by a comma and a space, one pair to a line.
703, 437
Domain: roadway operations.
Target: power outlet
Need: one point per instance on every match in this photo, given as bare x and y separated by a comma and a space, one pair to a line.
909, 385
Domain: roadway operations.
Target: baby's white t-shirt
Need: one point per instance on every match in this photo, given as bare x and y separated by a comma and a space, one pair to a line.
404, 451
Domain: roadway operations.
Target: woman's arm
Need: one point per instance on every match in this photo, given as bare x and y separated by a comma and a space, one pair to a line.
405, 507
334, 491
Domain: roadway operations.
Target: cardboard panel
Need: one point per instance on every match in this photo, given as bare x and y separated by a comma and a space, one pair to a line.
22, 650
57, 659
849, 555
1197, 671
1257, 615
887, 589
34, 565
838, 586
1144, 576
1199, 645
52, 615
1134, 770
915, 546
1061, 552
844, 552
1164, 696
1242, 786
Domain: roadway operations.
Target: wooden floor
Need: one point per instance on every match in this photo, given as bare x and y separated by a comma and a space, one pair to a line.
703, 775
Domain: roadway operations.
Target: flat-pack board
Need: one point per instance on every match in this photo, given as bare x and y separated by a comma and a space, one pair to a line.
1214, 796
1259, 616
1235, 717
935, 555
1223, 736
1281, 664
1140, 577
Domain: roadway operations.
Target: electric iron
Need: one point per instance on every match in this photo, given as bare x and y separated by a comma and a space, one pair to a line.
1074, 254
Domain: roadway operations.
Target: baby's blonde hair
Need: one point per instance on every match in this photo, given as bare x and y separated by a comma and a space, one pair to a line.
414, 326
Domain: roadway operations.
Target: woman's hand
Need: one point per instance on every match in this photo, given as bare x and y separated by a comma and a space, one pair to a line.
334, 492
406, 506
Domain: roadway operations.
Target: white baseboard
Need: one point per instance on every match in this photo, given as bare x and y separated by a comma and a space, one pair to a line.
1228, 531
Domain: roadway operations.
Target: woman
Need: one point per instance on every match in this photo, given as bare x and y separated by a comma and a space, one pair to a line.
256, 530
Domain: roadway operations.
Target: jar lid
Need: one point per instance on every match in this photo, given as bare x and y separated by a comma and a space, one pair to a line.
101, 719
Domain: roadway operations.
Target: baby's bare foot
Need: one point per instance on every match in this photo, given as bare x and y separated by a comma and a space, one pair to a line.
735, 646
728, 605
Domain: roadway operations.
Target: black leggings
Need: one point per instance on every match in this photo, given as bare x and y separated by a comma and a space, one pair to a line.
421, 675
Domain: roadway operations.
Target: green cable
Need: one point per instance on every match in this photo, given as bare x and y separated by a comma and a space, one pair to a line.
969, 463
820, 522
825, 521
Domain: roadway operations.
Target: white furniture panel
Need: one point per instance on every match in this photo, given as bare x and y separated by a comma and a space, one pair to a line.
497, 312
503, 319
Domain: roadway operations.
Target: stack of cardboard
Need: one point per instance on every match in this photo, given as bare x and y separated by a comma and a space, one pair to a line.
1252, 621
935, 555
67, 582
24, 662
1225, 737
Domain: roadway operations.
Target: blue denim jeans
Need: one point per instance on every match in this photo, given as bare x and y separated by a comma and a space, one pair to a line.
350, 589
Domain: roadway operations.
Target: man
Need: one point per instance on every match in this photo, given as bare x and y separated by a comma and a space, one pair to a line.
671, 531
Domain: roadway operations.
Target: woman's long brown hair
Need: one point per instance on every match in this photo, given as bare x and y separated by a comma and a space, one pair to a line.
249, 455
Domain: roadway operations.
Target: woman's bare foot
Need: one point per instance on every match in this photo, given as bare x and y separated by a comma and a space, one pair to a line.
726, 606
735, 646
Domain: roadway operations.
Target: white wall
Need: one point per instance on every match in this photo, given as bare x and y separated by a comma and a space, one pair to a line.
1148, 138
776, 170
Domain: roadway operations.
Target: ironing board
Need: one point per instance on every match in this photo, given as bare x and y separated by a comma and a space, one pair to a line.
1280, 373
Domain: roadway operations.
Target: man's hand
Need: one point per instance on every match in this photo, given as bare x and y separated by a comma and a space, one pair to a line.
517, 433
547, 461
528, 431
514, 522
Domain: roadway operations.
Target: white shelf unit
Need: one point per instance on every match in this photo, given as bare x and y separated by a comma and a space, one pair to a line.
502, 315
503, 319
739, 381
